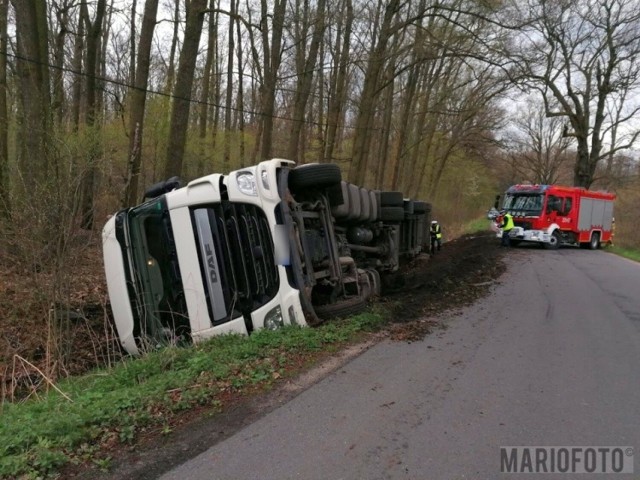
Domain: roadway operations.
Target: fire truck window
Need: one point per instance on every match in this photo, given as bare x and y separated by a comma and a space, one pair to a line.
568, 203
554, 204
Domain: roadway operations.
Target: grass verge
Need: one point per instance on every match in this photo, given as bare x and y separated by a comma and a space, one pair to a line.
477, 225
110, 407
629, 253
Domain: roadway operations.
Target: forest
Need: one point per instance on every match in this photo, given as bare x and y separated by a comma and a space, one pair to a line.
448, 101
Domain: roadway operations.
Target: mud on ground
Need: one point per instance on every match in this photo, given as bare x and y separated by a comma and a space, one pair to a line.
460, 273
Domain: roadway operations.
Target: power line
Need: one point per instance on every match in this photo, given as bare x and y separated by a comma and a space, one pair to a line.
170, 95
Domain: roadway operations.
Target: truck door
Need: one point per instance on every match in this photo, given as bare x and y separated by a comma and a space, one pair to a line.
565, 217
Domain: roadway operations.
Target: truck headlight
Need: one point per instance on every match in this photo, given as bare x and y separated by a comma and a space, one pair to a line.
273, 320
246, 183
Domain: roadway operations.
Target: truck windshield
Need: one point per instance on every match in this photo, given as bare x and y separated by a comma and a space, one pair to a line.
524, 203
161, 312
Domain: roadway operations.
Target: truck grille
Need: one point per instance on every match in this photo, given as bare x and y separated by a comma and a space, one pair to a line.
245, 259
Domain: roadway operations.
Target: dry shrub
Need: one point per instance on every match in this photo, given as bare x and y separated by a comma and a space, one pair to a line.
52, 297
627, 214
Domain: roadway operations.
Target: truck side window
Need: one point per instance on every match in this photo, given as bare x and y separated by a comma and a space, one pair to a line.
568, 203
554, 204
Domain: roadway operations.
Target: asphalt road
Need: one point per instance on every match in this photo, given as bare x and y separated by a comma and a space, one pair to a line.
551, 357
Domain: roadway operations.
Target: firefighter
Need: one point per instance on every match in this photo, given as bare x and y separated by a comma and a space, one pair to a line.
506, 226
436, 236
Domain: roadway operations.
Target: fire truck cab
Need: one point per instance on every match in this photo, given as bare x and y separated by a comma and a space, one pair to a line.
555, 215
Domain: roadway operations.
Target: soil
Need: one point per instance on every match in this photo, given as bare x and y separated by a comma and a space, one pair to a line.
460, 273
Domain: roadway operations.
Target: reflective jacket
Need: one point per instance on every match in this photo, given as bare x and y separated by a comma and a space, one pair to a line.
507, 222
436, 230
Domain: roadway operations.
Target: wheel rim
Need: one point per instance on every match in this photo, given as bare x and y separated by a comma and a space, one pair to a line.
553, 240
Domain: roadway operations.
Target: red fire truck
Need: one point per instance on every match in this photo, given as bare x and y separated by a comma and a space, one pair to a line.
554, 215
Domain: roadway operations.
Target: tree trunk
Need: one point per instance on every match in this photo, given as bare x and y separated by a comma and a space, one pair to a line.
338, 92
94, 30
273, 57
62, 16
76, 94
203, 115
240, 101
369, 95
183, 88
305, 79
33, 77
168, 86
132, 43
383, 156
226, 159
4, 129
138, 100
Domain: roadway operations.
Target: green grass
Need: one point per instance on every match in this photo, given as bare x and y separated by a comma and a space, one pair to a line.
629, 253
478, 225
109, 407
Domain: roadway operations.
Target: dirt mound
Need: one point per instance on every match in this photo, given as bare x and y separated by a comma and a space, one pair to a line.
456, 276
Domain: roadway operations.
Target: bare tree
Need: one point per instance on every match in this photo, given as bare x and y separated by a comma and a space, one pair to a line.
537, 148
579, 55
94, 31
338, 79
4, 124
183, 88
138, 100
33, 73
271, 45
306, 59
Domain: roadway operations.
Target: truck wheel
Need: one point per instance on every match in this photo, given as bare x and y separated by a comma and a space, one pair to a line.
554, 243
314, 175
346, 308
392, 214
391, 199
515, 243
594, 244
419, 207
409, 207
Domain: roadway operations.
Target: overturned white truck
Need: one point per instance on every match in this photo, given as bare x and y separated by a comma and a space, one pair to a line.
261, 247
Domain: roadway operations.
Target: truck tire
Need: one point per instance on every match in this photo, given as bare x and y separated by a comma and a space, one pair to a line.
374, 212
346, 308
365, 205
409, 207
554, 244
391, 199
354, 202
392, 214
314, 175
594, 244
341, 211
419, 207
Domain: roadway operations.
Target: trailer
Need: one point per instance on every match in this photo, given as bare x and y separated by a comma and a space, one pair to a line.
261, 247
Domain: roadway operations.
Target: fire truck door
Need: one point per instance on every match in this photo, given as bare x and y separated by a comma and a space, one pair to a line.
565, 217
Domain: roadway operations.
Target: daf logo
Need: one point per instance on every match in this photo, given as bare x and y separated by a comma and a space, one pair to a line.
211, 264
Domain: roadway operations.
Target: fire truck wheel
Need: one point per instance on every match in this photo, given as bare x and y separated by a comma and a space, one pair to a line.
594, 244
314, 175
554, 242
515, 243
